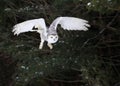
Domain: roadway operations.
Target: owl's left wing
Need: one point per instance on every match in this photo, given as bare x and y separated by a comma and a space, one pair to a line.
70, 23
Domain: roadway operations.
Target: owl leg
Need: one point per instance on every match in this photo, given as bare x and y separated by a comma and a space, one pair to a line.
41, 44
50, 45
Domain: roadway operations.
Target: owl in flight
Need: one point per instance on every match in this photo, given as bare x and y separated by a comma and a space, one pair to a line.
49, 34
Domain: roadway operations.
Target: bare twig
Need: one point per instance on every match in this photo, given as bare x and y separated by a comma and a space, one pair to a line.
92, 38
57, 80
109, 24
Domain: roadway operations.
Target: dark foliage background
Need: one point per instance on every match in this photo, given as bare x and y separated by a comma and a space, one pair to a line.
79, 58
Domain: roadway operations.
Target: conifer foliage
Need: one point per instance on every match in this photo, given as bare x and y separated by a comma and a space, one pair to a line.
78, 59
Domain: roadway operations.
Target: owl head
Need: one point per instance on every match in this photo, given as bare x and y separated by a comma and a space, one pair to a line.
53, 38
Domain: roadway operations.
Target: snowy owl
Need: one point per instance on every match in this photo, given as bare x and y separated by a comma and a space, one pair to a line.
49, 34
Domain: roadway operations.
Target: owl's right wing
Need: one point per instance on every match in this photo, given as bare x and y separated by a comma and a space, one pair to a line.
28, 25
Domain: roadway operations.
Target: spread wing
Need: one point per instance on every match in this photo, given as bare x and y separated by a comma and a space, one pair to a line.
28, 25
70, 23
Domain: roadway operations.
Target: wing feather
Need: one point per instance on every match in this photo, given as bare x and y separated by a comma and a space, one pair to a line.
28, 25
70, 23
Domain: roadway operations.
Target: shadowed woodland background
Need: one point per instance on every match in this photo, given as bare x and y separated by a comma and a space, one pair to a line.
79, 58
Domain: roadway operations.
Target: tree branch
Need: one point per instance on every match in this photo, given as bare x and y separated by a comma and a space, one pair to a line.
57, 80
92, 38
110, 23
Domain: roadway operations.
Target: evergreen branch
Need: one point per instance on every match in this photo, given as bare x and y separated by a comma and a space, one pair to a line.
108, 26
30, 37
117, 84
58, 80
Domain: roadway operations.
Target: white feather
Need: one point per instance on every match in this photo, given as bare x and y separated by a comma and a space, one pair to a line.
28, 25
46, 34
70, 23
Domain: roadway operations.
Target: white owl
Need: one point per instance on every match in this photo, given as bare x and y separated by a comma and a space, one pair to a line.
50, 34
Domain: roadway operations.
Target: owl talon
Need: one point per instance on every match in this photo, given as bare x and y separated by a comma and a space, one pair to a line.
50, 46
40, 47
41, 44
